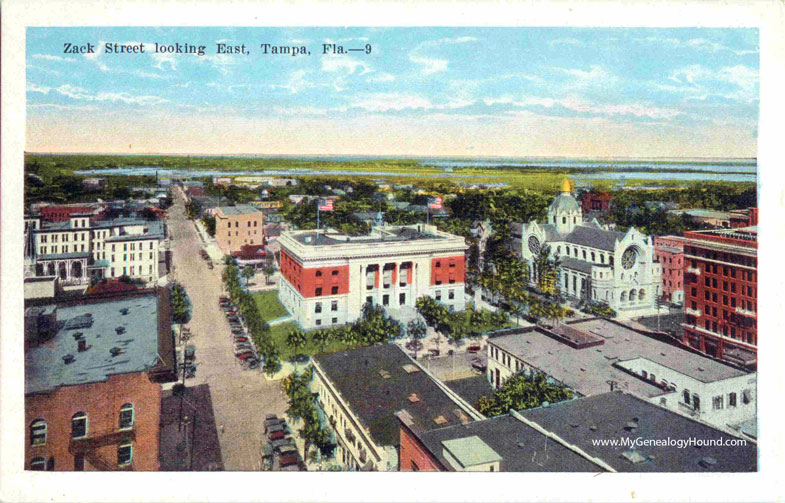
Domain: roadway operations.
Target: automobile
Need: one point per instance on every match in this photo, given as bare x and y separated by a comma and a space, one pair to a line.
286, 450
292, 468
290, 460
244, 355
273, 428
240, 339
277, 444
478, 365
474, 349
223, 298
271, 423
276, 435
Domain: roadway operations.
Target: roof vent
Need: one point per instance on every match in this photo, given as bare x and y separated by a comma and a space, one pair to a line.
124, 311
440, 420
115, 351
414, 398
634, 456
593, 428
77, 335
120, 330
701, 369
411, 368
81, 345
68, 359
707, 462
385, 374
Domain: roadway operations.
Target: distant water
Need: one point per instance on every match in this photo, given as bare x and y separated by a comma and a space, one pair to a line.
734, 170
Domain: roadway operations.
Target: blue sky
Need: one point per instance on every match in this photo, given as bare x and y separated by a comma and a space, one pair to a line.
421, 91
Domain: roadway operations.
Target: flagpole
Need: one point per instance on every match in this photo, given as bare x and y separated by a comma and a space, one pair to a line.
318, 210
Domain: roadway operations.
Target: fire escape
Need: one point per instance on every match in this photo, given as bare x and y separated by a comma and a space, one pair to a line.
89, 447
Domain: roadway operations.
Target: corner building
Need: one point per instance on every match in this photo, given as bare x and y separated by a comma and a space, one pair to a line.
721, 293
327, 277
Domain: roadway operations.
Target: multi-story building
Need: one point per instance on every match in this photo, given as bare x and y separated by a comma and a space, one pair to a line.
596, 264
596, 201
327, 277
62, 212
669, 251
572, 436
236, 226
80, 249
93, 373
595, 356
721, 293
360, 391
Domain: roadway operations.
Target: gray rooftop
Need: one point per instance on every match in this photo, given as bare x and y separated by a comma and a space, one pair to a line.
64, 256
242, 209
576, 264
45, 368
593, 237
616, 416
520, 447
377, 235
588, 370
375, 384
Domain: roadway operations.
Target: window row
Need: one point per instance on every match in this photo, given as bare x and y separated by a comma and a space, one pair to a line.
79, 425
125, 453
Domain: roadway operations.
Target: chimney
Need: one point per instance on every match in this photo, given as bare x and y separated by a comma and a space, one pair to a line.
81, 345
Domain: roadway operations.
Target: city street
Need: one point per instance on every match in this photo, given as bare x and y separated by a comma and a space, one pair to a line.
240, 398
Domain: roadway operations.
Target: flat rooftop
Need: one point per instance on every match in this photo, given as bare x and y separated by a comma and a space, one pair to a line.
378, 381
520, 447
121, 336
617, 416
377, 235
242, 209
588, 370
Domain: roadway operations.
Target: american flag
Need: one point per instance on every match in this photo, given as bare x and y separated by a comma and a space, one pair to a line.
326, 205
436, 203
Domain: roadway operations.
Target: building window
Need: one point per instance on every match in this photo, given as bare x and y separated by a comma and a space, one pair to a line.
318, 274
38, 432
79, 425
318, 323
696, 401
385, 300
125, 453
334, 305
319, 292
402, 299
369, 300
438, 295
126, 420
686, 396
38, 464
717, 402
746, 396
334, 290
451, 295
335, 320
318, 308
731, 399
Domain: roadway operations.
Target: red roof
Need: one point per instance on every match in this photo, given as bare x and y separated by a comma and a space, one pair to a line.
112, 285
250, 252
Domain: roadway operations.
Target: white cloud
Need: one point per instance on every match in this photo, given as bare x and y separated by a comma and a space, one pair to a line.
49, 57
431, 64
700, 44
162, 60
297, 82
344, 63
595, 75
699, 82
80, 93
580, 105
381, 77
383, 102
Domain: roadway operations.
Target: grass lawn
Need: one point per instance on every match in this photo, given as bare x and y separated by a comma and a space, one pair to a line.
279, 333
268, 305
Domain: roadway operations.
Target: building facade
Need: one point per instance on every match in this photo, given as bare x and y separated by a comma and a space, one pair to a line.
93, 373
669, 251
721, 293
236, 226
596, 264
326, 277
79, 249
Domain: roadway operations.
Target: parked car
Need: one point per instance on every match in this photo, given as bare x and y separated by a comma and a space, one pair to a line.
278, 444
290, 461
276, 435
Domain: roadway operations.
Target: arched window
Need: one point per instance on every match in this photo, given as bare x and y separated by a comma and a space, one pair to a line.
126, 420
686, 396
79, 425
624, 296
567, 250
632, 295
125, 453
641, 294
318, 274
38, 464
593, 258
38, 432
564, 220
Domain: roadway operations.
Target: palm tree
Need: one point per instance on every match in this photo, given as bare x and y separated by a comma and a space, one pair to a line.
296, 338
321, 337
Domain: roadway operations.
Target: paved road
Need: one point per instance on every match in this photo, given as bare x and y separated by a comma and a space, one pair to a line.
241, 398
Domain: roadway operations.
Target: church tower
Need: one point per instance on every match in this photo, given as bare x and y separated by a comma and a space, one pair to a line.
565, 213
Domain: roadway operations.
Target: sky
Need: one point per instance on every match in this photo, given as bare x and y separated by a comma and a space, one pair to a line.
507, 92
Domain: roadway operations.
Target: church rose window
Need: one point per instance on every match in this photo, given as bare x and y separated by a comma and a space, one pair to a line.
628, 258
534, 245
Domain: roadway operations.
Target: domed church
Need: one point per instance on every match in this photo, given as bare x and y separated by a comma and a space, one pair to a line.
616, 268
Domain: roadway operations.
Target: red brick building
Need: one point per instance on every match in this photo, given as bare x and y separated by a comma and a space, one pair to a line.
669, 251
596, 201
721, 293
62, 213
92, 381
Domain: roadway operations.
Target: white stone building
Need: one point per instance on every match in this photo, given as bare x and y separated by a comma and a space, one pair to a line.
327, 277
601, 265
79, 249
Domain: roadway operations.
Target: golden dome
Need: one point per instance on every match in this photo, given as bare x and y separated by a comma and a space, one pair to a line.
566, 186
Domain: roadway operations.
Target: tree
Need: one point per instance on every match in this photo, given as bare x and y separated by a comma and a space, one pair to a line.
522, 392
416, 330
321, 337
193, 209
296, 339
209, 224
248, 273
268, 270
180, 304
